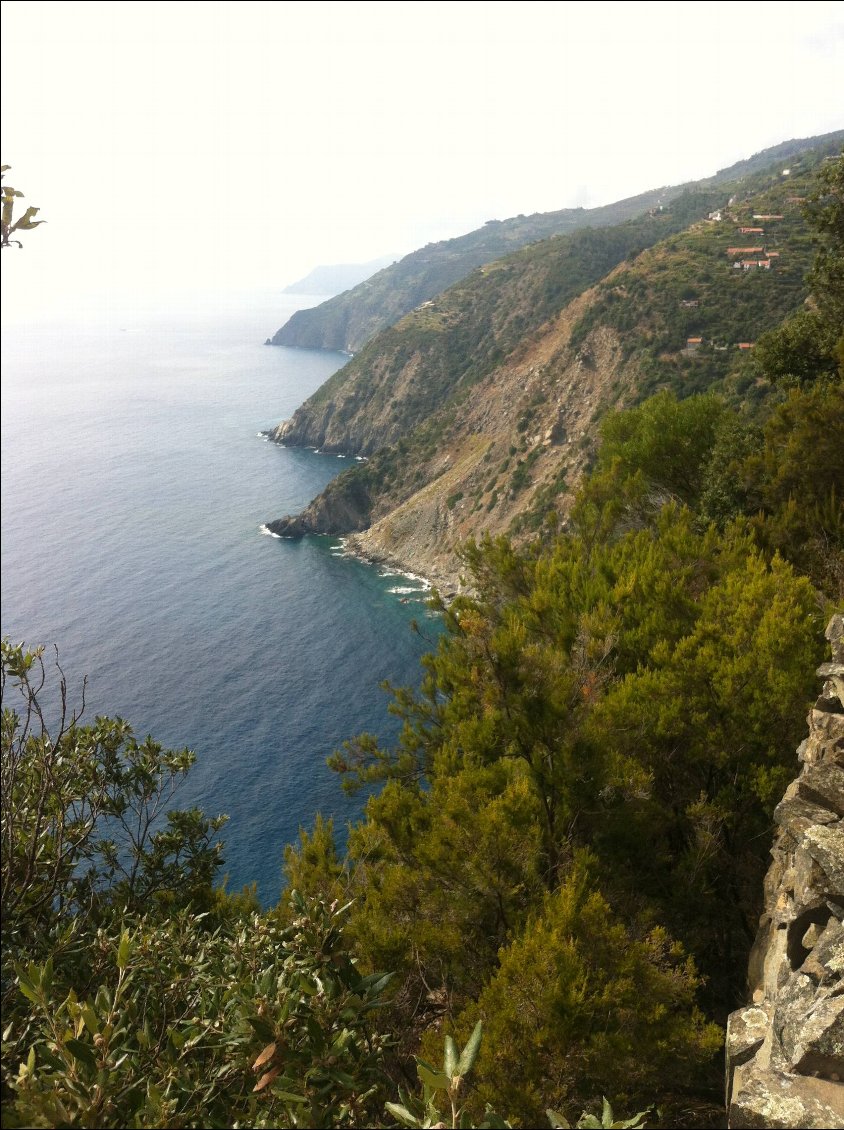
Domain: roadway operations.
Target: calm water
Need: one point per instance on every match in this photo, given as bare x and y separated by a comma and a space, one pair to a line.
134, 486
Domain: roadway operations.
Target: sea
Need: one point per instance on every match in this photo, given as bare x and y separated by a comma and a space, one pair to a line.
135, 488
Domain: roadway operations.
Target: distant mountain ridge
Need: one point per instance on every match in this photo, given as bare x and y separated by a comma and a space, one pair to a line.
349, 320
335, 278
477, 412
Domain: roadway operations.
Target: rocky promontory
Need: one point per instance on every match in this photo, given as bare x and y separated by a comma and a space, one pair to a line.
785, 1050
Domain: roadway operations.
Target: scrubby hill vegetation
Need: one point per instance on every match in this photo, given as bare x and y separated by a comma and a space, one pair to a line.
479, 412
350, 320
566, 844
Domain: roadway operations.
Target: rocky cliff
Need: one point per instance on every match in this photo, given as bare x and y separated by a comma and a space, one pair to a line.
785, 1051
521, 442
478, 412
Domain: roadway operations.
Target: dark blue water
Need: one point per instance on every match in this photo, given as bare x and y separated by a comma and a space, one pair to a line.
134, 486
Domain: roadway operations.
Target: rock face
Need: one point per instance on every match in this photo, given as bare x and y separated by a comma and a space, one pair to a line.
785, 1052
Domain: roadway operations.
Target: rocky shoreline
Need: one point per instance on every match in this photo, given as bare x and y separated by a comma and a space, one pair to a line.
446, 585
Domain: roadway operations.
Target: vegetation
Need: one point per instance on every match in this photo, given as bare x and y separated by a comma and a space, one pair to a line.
9, 224
351, 320
690, 287
661, 279
563, 866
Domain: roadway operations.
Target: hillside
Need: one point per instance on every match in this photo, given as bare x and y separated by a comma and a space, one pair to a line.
337, 277
478, 411
350, 320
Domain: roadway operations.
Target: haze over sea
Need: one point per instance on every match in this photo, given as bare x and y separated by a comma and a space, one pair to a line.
134, 485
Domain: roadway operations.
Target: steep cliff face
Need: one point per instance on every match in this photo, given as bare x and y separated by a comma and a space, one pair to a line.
516, 457
785, 1051
519, 444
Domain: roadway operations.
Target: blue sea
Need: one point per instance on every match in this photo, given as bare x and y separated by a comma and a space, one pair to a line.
134, 488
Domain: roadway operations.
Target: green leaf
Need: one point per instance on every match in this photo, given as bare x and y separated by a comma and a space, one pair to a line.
450, 1061
556, 1120
28, 991
289, 1097
82, 1052
470, 1052
436, 1080
343, 1079
26, 221
402, 1114
262, 1029
494, 1121
124, 950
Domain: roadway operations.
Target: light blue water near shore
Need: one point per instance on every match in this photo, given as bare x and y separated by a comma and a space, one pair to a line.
133, 488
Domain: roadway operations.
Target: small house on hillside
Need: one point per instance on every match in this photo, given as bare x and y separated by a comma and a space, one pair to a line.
693, 344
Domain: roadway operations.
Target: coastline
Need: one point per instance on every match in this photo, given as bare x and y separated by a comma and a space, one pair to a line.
447, 586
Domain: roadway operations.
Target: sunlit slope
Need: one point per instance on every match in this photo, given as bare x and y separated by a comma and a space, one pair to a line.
349, 320
478, 411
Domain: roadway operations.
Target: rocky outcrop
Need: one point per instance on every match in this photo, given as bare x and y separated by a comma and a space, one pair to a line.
522, 441
343, 507
785, 1052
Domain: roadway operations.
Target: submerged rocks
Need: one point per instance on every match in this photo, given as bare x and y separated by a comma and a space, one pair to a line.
785, 1052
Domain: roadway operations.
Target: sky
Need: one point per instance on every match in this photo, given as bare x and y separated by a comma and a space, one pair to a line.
186, 147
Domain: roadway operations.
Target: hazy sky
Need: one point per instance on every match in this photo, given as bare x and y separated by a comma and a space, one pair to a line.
205, 144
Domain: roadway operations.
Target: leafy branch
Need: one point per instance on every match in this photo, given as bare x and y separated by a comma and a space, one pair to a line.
24, 223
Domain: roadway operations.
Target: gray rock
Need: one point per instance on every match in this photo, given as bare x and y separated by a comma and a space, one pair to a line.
825, 844
797, 814
835, 634
818, 1048
823, 785
746, 1030
785, 1054
783, 1102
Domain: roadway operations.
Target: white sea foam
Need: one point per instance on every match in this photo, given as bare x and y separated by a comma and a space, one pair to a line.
268, 532
420, 582
404, 590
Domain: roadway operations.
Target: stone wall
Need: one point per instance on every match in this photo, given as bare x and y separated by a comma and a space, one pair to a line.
785, 1051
